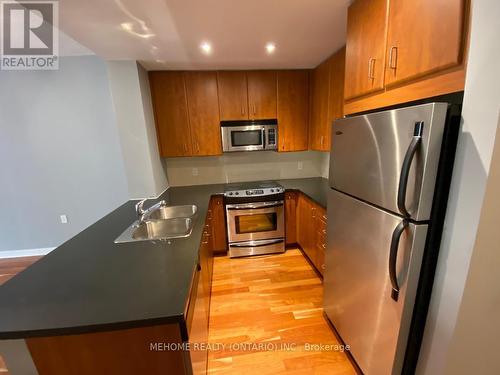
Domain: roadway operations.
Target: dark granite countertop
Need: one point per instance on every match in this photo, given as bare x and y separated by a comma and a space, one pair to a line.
89, 283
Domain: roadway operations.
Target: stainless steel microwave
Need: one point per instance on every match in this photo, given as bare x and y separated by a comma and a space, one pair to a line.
252, 135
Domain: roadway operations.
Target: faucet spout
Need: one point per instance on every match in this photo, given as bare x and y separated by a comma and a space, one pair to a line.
142, 214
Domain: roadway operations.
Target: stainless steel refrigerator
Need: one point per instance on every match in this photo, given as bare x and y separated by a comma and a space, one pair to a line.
389, 180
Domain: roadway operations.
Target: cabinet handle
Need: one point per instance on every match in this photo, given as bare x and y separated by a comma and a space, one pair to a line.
254, 110
242, 110
321, 141
371, 65
393, 57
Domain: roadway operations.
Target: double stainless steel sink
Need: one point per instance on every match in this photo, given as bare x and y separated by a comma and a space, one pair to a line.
161, 222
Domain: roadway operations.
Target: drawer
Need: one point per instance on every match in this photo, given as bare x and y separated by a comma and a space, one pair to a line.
320, 259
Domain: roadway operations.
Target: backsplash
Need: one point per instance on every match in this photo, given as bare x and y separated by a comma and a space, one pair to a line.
246, 166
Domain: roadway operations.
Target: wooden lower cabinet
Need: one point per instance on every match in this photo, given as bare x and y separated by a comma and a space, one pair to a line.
291, 217
311, 231
218, 225
124, 352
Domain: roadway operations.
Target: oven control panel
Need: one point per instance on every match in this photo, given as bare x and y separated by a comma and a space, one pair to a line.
254, 192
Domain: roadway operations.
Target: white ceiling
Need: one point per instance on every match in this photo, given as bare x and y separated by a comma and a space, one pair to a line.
166, 34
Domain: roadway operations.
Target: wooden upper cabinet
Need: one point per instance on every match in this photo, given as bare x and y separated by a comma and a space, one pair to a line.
203, 109
171, 113
261, 94
319, 106
366, 45
293, 110
423, 37
336, 102
233, 99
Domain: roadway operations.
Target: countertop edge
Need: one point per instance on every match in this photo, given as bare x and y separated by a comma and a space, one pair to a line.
96, 328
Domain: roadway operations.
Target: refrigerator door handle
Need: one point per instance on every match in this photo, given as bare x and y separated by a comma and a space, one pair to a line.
405, 168
393, 258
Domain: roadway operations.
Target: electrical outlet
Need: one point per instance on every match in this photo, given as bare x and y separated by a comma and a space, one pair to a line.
300, 165
64, 219
194, 171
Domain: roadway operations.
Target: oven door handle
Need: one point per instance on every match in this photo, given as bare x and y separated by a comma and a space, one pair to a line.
253, 206
257, 243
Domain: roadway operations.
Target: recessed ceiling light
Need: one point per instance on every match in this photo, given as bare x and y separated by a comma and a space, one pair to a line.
206, 48
270, 48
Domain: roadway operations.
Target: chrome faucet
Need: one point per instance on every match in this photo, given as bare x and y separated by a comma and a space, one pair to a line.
142, 213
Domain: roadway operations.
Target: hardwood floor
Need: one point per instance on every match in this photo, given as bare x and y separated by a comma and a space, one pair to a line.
9, 267
270, 302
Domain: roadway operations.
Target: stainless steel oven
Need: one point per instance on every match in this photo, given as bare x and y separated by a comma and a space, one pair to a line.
254, 135
255, 221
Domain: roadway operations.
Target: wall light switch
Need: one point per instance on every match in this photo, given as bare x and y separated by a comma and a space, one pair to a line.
195, 171
64, 219
300, 165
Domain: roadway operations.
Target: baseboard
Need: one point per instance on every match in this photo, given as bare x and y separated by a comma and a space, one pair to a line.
25, 252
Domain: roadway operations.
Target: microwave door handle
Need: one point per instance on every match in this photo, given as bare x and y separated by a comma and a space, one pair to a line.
405, 168
263, 133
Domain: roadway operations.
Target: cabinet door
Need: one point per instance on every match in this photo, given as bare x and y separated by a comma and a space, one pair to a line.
218, 224
261, 94
290, 217
320, 238
203, 109
424, 36
319, 106
233, 100
171, 115
365, 49
336, 102
293, 110
305, 227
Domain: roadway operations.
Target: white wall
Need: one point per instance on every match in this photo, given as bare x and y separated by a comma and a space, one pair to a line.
246, 166
134, 115
59, 153
474, 346
472, 166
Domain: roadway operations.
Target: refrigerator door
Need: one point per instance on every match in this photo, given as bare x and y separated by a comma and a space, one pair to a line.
358, 290
369, 151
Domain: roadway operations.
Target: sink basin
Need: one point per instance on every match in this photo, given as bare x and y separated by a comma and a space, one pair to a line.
169, 212
163, 229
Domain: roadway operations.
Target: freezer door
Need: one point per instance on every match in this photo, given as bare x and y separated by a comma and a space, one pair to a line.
369, 151
358, 292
